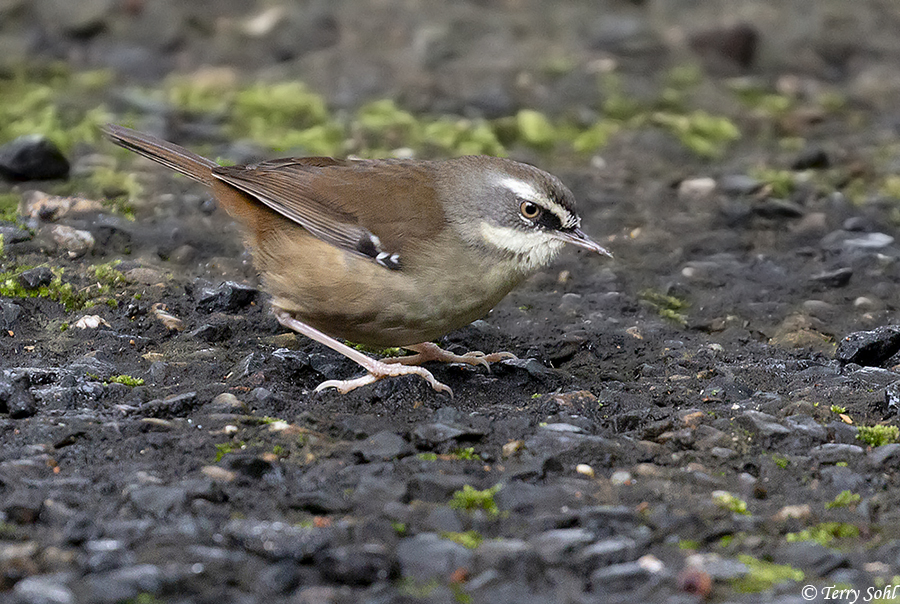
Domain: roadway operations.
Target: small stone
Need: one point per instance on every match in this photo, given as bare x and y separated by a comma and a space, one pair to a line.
226, 403
157, 500
10, 312
727, 49
357, 565
778, 208
870, 241
812, 159
427, 556
36, 277
430, 435
44, 589
32, 157
837, 278
739, 184
585, 470
885, 456
696, 188
835, 452
278, 540
383, 446
605, 552
762, 424
799, 512
91, 322
557, 546
227, 297
869, 348
76, 242
176, 405
621, 477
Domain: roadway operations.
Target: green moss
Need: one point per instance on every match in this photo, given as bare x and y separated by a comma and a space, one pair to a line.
535, 129
844, 499
470, 500
838, 409
107, 273
764, 575
223, 449
468, 539
467, 453
890, 187
126, 379
824, 533
780, 460
427, 456
399, 527
706, 135
781, 182
596, 136
689, 544
64, 293
668, 307
9, 206
729, 502
878, 435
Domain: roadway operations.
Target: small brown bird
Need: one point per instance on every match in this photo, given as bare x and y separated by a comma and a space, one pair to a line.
386, 252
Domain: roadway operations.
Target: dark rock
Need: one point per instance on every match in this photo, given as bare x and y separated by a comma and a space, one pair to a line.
320, 502
23, 506
727, 48
614, 550
277, 540
812, 159
778, 208
762, 425
618, 578
123, 584
279, 578
430, 435
12, 234
227, 297
837, 278
810, 557
357, 565
32, 157
739, 184
43, 589
383, 446
212, 332
177, 405
35, 277
892, 397
427, 556
886, 456
21, 404
437, 488
835, 452
842, 478
157, 500
869, 347
559, 546
9, 314
249, 465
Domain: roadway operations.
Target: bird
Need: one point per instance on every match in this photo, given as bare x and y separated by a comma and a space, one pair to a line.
386, 252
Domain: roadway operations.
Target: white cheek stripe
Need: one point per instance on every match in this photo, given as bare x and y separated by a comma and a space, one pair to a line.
535, 248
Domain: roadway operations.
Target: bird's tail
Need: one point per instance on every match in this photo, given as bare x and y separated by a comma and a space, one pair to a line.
168, 154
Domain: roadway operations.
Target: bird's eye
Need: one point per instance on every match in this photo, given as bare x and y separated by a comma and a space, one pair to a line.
529, 210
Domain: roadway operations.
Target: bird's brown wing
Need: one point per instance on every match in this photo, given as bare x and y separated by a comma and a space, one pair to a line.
369, 207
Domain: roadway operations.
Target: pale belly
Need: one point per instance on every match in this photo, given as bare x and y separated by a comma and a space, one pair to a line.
350, 297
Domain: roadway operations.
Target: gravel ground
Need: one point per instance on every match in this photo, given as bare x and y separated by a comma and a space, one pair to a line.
690, 421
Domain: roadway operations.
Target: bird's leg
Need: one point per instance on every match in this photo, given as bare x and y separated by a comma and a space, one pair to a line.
376, 369
428, 351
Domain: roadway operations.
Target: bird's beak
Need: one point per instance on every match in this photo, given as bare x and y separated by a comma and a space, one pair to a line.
577, 237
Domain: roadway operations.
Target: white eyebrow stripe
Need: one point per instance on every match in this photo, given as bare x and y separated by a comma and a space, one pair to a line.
520, 188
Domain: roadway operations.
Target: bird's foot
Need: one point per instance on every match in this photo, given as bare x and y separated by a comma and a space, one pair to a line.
428, 351
378, 370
